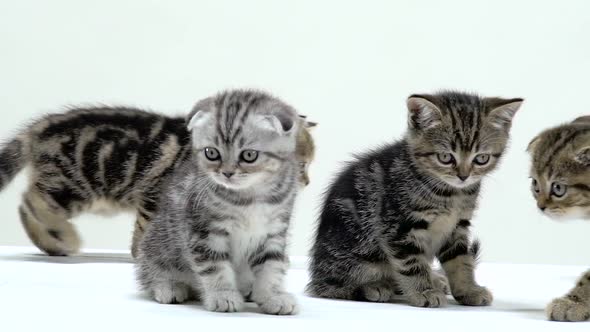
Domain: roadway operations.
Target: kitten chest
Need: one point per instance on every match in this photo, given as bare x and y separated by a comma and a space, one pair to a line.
251, 229
441, 228
443, 221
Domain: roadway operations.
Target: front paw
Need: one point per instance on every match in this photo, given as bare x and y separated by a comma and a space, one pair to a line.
378, 293
280, 304
430, 298
566, 310
441, 282
224, 301
171, 293
475, 296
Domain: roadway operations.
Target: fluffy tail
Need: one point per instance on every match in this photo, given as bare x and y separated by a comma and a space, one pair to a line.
13, 158
475, 250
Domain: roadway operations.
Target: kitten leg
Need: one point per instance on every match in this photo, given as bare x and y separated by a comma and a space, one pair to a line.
212, 264
163, 281
441, 282
48, 227
167, 291
458, 259
414, 273
270, 265
140, 225
575, 306
381, 291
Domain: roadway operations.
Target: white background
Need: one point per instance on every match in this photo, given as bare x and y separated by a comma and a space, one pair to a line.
348, 65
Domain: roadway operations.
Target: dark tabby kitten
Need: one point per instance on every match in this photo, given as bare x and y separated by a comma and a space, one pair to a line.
392, 210
560, 175
101, 159
92, 159
220, 232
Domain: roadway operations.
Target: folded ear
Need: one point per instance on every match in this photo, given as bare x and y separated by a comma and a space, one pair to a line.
583, 156
200, 114
502, 111
583, 119
282, 125
197, 119
533, 144
422, 113
281, 121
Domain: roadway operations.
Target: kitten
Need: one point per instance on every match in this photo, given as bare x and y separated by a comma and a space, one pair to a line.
560, 175
101, 159
88, 159
305, 149
392, 210
220, 232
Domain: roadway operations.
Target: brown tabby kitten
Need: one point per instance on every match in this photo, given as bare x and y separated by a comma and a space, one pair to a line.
305, 149
560, 175
100, 159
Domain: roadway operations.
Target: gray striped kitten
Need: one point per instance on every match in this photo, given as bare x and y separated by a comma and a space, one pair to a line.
220, 233
102, 159
392, 210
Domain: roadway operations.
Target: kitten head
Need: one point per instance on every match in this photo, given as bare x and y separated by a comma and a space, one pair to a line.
560, 170
305, 149
243, 138
459, 138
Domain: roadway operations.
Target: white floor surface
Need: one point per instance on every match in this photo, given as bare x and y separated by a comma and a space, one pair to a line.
96, 291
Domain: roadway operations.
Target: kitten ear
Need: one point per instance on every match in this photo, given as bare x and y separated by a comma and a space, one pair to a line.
583, 156
533, 144
582, 119
307, 124
502, 111
279, 122
200, 113
197, 118
422, 113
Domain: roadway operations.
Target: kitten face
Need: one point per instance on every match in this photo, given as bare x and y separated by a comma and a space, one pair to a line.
242, 139
459, 138
560, 172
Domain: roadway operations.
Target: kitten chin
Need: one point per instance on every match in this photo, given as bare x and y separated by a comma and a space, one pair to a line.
572, 213
458, 184
238, 182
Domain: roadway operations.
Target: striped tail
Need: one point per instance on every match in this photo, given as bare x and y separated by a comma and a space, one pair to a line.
12, 161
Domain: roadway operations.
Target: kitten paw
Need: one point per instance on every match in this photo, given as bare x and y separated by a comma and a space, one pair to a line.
378, 293
167, 293
224, 301
477, 296
430, 298
441, 283
567, 310
280, 304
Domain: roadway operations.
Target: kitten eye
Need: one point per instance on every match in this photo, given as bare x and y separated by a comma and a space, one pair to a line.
535, 185
482, 159
249, 156
212, 154
558, 189
445, 158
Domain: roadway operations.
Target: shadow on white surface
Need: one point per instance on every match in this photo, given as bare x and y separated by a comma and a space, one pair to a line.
85, 258
98, 291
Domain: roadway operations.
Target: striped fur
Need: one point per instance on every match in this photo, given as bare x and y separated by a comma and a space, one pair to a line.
101, 159
560, 175
392, 210
223, 239
561, 156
